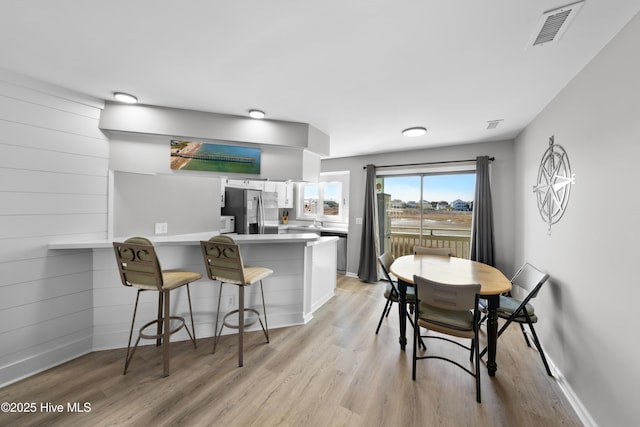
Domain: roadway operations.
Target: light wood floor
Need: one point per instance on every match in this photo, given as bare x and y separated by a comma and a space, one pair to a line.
334, 371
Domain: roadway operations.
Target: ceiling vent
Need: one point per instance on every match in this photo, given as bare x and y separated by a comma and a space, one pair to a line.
492, 124
553, 23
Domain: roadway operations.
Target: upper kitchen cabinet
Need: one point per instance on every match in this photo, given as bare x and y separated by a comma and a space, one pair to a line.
284, 189
285, 194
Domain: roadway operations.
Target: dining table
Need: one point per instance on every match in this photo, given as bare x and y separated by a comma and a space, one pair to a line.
453, 270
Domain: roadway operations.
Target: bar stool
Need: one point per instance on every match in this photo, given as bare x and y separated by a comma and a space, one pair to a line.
223, 263
139, 268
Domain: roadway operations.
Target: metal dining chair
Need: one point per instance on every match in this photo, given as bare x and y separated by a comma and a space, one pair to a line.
516, 306
452, 310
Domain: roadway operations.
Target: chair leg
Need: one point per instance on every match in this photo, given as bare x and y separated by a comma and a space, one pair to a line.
240, 325
420, 341
416, 334
524, 334
133, 321
385, 312
265, 328
159, 331
166, 334
536, 341
476, 349
215, 328
193, 326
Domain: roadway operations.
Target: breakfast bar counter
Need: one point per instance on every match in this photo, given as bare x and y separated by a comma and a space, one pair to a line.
304, 278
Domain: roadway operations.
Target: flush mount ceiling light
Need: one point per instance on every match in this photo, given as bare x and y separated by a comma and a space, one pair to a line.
256, 114
415, 131
125, 97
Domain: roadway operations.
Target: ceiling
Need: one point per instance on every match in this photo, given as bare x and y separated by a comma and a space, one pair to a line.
361, 71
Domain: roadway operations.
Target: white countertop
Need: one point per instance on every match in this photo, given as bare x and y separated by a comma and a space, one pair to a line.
307, 228
195, 238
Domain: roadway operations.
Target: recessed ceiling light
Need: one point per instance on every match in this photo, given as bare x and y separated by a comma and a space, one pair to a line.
256, 114
125, 97
415, 131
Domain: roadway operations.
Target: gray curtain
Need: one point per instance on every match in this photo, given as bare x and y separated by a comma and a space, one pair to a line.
482, 243
369, 246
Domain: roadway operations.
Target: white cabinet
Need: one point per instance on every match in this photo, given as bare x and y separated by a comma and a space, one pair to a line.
270, 186
245, 183
285, 194
284, 189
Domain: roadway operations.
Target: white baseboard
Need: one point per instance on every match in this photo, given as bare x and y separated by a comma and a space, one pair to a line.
36, 363
573, 399
568, 392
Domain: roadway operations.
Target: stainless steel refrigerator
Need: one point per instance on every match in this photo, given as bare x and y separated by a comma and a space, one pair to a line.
255, 211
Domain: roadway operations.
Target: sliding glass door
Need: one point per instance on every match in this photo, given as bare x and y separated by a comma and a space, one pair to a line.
425, 210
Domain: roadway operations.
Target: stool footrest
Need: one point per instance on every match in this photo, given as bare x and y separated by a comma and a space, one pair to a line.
226, 323
180, 325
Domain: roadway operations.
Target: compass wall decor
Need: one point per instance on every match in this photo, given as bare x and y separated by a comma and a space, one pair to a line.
554, 183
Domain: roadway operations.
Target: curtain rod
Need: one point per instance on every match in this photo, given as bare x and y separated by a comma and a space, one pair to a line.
429, 163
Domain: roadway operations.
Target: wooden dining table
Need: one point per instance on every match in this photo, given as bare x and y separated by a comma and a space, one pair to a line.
453, 270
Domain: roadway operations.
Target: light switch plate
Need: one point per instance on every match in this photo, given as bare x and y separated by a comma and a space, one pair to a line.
359, 221
161, 228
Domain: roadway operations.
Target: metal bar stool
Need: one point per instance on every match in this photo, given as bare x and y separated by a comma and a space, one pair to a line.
223, 263
139, 268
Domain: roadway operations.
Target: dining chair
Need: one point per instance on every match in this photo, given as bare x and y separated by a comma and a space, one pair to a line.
223, 262
423, 250
449, 310
139, 268
516, 305
392, 294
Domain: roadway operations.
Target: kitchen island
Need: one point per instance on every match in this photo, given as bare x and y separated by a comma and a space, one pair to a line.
304, 278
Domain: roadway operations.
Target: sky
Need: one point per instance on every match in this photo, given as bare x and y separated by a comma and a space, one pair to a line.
437, 187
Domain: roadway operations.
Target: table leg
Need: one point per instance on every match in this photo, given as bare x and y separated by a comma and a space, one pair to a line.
402, 312
492, 333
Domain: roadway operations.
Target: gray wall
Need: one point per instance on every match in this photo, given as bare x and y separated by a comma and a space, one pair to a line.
53, 187
588, 309
502, 188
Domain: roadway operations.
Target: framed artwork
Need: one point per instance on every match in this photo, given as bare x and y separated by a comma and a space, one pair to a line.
200, 156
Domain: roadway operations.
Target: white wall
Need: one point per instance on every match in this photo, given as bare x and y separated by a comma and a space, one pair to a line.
53, 186
588, 311
502, 189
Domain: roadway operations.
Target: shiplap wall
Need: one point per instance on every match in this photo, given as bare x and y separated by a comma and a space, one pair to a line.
53, 187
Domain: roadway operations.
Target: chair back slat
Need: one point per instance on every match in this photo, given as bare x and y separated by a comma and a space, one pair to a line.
529, 279
223, 260
138, 263
385, 260
422, 250
446, 296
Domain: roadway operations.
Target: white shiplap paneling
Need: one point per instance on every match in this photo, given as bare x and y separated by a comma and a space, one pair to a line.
53, 187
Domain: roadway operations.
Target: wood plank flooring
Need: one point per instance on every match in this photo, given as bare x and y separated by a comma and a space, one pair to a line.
334, 371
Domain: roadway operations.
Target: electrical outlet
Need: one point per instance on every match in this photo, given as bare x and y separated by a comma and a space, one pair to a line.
230, 301
161, 228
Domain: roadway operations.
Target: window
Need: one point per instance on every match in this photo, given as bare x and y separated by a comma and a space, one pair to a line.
325, 200
426, 210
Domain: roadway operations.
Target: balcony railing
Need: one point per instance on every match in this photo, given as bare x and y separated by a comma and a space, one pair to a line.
404, 240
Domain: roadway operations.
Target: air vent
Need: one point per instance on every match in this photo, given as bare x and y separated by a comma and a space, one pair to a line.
493, 124
553, 24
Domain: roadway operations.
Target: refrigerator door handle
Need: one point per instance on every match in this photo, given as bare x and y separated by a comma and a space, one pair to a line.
260, 214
